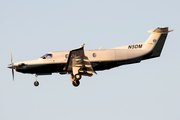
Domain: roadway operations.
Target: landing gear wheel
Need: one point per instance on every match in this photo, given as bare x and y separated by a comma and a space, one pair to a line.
76, 83
36, 83
77, 77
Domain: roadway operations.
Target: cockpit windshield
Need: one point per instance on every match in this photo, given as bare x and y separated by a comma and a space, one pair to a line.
47, 56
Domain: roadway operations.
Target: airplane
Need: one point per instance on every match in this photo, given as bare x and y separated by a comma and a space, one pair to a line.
79, 62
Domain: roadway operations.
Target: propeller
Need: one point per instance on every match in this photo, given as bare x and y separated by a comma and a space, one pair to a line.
12, 66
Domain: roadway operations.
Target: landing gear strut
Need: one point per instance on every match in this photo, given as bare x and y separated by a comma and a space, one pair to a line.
77, 77
36, 83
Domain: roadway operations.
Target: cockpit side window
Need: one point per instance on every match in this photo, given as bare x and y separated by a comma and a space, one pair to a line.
47, 56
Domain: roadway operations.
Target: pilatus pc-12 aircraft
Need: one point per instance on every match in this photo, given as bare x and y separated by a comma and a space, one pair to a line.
79, 62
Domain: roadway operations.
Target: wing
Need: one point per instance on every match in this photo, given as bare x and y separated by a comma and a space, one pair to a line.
78, 63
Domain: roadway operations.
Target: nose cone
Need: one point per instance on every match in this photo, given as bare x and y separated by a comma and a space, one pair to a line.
9, 66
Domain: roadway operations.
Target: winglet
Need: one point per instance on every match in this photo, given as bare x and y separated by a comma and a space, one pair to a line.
82, 45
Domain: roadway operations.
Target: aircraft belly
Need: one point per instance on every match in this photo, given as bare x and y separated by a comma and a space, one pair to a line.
41, 68
99, 65
111, 64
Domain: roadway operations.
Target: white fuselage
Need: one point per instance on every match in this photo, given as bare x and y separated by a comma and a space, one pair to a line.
99, 59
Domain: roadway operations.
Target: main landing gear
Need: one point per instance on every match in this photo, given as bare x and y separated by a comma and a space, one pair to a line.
36, 83
75, 79
76, 83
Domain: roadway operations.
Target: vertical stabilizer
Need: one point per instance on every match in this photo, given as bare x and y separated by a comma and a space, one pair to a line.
156, 41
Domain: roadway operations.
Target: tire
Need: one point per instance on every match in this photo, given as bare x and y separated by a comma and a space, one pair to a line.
36, 83
76, 83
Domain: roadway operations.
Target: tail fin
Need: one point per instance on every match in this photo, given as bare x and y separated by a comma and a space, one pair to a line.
156, 41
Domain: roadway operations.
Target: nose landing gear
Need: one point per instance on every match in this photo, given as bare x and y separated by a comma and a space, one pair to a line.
36, 83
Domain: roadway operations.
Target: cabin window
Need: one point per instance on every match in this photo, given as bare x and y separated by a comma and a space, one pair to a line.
47, 56
94, 54
154, 40
66, 56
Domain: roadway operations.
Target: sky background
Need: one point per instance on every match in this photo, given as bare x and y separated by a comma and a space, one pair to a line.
149, 90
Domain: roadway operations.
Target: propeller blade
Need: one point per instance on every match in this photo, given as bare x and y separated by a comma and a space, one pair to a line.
13, 73
11, 59
12, 66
